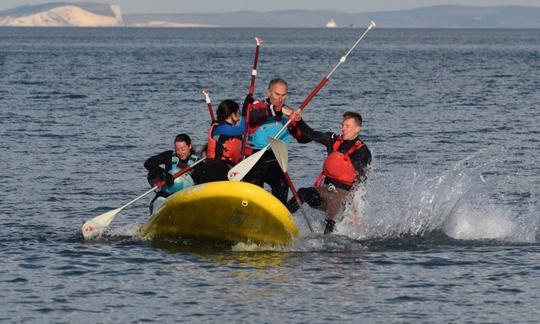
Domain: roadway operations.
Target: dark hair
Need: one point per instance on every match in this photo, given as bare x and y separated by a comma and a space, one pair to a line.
276, 81
354, 115
225, 109
183, 138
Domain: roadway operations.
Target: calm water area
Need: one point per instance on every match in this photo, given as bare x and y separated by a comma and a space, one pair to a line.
450, 217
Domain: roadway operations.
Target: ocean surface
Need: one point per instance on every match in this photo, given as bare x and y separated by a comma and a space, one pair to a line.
450, 217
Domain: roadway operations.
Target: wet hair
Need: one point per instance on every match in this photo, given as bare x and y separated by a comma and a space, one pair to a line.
186, 139
276, 81
225, 109
183, 138
354, 115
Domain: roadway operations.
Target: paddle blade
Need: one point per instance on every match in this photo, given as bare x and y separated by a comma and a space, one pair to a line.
280, 151
239, 171
97, 225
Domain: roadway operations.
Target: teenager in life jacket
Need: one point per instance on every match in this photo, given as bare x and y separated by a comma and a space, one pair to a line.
345, 166
266, 118
163, 165
224, 143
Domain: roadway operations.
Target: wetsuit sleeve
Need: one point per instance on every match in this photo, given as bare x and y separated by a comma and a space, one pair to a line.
296, 131
153, 164
309, 134
361, 158
230, 130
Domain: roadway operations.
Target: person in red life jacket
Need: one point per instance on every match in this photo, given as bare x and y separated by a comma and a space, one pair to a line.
163, 165
345, 166
266, 118
224, 143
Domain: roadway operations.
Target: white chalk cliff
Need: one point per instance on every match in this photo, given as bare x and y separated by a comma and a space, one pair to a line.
64, 15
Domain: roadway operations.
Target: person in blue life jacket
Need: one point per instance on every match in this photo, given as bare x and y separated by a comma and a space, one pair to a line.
163, 165
345, 166
224, 144
266, 118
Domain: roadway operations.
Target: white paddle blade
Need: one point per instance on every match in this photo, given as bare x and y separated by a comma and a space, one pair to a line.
239, 171
372, 24
280, 151
97, 225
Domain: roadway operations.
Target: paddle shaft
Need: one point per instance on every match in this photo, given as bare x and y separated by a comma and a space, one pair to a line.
209, 104
254, 70
251, 92
163, 183
297, 197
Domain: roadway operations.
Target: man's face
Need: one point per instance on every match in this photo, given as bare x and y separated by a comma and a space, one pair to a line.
350, 129
277, 94
183, 151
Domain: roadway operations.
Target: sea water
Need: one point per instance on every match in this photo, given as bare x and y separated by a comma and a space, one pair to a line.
446, 229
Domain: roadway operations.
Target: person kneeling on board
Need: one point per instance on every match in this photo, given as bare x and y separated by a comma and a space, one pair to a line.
163, 165
345, 166
224, 144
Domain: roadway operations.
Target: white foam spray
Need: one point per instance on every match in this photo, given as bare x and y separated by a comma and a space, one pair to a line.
461, 202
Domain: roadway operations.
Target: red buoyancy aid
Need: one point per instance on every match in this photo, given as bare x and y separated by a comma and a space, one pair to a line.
231, 148
265, 113
338, 166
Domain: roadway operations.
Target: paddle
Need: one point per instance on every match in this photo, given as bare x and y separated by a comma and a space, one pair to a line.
280, 151
239, 171
251, 92
96, 225
206, 94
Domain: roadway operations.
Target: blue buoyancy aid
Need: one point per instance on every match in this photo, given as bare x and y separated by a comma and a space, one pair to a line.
182, 181
259, 139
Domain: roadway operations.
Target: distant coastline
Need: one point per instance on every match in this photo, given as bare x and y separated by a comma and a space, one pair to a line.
87, 14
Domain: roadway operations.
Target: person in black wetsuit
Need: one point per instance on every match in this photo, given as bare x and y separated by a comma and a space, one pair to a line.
163, 165
266, 118
345, 166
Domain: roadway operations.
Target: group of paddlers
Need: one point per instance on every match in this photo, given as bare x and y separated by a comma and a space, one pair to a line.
237, 133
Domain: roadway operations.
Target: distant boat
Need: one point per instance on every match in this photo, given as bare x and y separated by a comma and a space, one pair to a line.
331, 23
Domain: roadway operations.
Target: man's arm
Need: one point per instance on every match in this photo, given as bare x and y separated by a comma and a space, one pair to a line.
309, 134
360, 159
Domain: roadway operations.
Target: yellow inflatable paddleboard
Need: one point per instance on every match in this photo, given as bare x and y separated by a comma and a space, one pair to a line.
223, 211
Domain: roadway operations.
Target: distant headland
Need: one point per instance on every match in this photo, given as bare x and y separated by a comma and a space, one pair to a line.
88, 14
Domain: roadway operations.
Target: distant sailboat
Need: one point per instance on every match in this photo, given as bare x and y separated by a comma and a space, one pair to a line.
331, 23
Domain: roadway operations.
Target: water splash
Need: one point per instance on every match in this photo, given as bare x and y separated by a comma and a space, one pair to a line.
467, 202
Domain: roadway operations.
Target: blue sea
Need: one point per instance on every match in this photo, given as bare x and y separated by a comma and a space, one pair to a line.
450, 216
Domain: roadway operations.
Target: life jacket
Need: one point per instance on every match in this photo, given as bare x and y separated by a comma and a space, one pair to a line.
338, 166
259, 132
182, 181
228, 151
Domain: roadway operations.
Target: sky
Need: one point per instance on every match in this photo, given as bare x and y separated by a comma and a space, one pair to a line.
353, 6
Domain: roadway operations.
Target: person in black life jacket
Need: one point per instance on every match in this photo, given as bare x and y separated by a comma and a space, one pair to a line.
266, 118
163, 165
224, 143
345, 166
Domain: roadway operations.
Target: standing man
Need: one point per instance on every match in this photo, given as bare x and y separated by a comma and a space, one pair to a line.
266, 118
345, 166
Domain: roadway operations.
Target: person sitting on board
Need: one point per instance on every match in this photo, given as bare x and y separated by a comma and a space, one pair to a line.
266, 118
163, 165
224, 143
345, 166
